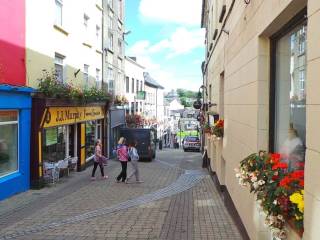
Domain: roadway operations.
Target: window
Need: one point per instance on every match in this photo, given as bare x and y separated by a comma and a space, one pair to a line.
141, 86
58, 20
98, 29
137, 107
110, 79
132, 107
8, 142
98, 79
290, 100
93, 132
137, 86
120, 11
141, 107
120, 46
110, 3
110, 22
127, 84
86, 75
132, 85
110, 41
54, 143
58, 66
85, 21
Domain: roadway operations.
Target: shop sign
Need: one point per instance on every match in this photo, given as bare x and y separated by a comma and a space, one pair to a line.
55, 116
141, 95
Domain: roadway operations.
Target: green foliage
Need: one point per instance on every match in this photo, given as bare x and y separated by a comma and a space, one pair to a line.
50, 87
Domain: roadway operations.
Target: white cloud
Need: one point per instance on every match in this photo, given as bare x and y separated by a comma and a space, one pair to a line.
182, 41
186, 12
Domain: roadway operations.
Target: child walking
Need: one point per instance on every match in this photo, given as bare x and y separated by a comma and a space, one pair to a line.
98, 159
133, 154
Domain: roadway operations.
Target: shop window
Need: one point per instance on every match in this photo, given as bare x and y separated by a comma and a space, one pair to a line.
8, 142
54, 144
290, 98
93, 133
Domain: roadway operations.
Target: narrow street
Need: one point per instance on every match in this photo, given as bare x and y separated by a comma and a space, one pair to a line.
177, 200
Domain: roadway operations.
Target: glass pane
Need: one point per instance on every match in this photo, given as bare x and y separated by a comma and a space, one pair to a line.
8, 148
90, 138
58, 13
8, 116
54, 144
290, 131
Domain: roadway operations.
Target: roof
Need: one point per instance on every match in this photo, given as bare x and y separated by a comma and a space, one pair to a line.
150, 81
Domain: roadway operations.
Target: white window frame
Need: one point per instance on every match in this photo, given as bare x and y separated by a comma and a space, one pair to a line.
86, 19
18, 139
86, 74
110, 41
59, 19
59, 61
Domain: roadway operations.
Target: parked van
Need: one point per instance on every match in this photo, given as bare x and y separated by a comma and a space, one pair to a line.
146, 139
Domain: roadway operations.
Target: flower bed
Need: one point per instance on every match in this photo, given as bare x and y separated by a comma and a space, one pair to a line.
279, 193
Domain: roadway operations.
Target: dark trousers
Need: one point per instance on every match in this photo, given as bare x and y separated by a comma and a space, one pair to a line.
95, 165
123, 174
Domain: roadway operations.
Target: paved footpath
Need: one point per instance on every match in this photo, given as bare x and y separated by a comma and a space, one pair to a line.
178, 200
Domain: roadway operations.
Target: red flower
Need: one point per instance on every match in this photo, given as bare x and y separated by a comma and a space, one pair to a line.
297, 174
301, 183
275, 177
280, 165
285, 181
275, 157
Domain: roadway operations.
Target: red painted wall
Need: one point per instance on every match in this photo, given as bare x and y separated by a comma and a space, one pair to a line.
12, 42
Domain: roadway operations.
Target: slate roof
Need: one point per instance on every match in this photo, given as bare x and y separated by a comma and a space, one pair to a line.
150, 81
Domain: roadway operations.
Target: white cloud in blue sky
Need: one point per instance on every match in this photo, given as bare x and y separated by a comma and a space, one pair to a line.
166, 38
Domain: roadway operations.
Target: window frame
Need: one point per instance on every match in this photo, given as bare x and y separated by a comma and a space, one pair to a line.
60, 64
86, 74
17, 123
297, 20
57, 21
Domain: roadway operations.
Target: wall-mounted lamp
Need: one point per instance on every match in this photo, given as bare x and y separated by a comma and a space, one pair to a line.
76, 73
225, 31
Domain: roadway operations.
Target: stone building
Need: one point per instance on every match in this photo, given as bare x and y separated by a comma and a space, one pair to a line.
261, 70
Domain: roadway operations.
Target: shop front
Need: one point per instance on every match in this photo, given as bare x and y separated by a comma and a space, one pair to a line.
15, 116
64, 132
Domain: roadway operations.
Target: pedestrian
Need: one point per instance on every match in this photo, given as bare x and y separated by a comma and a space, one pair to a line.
122, 154
133, 154
98, 159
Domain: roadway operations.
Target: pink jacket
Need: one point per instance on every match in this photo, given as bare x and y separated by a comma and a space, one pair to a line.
122, 153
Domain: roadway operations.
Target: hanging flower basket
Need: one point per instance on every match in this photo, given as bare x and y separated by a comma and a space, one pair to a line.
218, 128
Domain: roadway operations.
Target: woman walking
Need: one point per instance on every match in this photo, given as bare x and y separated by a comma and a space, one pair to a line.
133, 154
98, 159
122, 154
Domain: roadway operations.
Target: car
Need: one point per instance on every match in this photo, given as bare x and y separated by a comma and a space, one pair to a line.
191, 143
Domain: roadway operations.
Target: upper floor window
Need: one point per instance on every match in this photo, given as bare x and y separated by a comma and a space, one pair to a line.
86, 74
110, 41
85, 20
137, 86
127, 84
98, 79
120, 10
58, 20
58, 66
110, 21
110, 3
120, 46
132, 85
141, 86
98, 32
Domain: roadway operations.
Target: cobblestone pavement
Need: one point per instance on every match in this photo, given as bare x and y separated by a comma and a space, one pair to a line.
171, 204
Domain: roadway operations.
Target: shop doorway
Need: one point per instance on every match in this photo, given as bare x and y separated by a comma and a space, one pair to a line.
71, 141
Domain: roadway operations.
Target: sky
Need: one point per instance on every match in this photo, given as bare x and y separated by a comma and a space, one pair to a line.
167, 39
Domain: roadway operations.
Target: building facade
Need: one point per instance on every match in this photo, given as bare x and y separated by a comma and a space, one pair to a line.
261, 70
134, 87
64, 43
113, 44
15, 101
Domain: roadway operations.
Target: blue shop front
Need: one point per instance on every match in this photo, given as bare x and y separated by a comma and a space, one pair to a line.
15, 117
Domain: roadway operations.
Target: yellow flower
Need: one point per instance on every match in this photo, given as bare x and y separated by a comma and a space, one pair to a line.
297, 198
